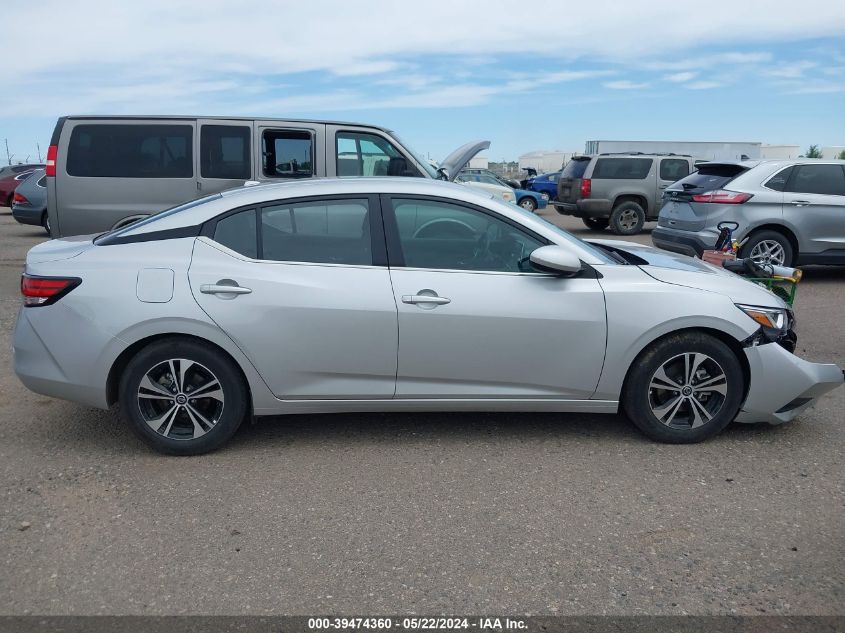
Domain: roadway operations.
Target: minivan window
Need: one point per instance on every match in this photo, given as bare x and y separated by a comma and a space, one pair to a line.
673, 169
575, 168
224, 152
821, 179
622, 168
288, 153
131, 151
361, 154
327, 232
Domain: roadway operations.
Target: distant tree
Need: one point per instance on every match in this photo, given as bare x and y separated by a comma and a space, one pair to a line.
813, 152
841, 155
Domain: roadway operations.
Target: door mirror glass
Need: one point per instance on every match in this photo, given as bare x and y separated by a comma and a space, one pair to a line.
555, 259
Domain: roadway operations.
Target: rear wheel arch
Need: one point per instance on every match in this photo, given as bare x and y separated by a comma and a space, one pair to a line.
122, 361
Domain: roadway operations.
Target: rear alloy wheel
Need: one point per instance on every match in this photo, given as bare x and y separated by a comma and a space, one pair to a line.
685, 388
768, 247
528, 204
182, 397
627, 218
596, 224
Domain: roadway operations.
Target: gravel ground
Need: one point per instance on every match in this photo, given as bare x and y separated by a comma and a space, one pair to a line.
422, 513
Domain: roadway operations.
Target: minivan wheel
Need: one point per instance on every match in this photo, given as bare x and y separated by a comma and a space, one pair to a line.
182, 397
528, 204
684, 388
596, 224
627, 218
769, 247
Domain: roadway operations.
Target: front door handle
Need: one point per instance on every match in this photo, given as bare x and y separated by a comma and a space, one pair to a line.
434, 300
801, 203
215, 289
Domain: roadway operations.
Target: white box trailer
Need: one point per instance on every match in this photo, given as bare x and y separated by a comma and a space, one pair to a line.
698, 149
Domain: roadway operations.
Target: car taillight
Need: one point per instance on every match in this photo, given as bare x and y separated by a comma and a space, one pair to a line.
586, 187
42, 291
722, 196
19, 199
50, 166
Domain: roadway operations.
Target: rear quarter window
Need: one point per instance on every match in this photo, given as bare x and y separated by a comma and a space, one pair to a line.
622, 168
131, 151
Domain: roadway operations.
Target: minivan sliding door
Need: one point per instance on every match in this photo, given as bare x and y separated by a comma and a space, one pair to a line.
224, 157
289, 150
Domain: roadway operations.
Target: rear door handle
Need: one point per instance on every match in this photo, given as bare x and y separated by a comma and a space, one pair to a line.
801, 203
425, 299
215, 289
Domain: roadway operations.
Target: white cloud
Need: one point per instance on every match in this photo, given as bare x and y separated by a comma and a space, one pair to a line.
791, 70
625, 84
705, 85
680, 77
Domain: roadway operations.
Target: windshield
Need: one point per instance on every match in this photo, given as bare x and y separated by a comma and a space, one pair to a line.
431, 171
596, 252
158, 216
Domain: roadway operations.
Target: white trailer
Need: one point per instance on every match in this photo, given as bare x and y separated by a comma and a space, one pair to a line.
698, 149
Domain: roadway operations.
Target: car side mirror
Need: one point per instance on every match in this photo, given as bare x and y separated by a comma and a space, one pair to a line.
555, 259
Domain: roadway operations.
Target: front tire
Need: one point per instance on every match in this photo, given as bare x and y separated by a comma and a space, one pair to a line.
684, 388
183, 397
627, 218
528, 204
596, 224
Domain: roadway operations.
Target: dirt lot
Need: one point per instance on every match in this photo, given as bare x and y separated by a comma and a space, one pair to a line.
471, 513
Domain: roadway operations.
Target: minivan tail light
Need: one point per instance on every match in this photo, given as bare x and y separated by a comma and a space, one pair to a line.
50, 165
586, 187
42, 291
19, 199
722, 196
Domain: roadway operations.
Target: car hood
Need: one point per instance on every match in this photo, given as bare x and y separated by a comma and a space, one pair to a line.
55, 250
452, 165
682, 270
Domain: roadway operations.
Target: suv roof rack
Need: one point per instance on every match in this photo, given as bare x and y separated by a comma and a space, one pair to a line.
645, 154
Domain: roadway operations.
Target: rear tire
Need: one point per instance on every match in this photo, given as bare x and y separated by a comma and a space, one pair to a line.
769, 247
627, 218
183, 397
684, 388
45, 222
596, 224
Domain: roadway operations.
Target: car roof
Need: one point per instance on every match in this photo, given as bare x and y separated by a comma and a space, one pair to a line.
185, 117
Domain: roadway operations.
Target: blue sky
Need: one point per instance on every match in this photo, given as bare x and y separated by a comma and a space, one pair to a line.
549, 76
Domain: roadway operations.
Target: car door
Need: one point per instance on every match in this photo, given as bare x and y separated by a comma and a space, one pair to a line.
814, 204
474, 320
224, 155
303, 289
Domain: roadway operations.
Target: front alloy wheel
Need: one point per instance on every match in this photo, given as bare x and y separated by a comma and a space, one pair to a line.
687, 391
528, 204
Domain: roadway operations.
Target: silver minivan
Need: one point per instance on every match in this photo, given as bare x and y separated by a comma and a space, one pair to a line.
104, 172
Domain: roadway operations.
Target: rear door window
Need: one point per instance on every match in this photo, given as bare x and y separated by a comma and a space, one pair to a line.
131, 151
224, 152
622, 168
820, 179
288, 153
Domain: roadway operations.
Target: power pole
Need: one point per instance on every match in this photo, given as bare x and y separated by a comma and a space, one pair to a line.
8, 155
38, 145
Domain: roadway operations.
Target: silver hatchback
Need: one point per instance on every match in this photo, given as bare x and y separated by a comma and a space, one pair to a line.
786, 212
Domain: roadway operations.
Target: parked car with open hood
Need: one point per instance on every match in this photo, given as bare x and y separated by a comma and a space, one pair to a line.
788, 212
499, 187
396, 294
104, 172
29, 203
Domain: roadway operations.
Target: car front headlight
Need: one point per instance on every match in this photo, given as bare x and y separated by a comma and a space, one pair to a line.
769, 318
507, 195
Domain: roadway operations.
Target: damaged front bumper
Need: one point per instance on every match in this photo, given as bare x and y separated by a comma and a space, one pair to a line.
782, 386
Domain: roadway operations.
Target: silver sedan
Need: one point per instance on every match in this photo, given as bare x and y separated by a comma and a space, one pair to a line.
395, 295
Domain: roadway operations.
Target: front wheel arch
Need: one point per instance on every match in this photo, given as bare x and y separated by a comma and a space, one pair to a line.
734, 345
